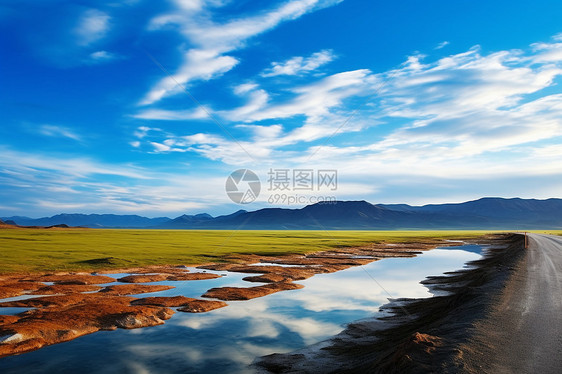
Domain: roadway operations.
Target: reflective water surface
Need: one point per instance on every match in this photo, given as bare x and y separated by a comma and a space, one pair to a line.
227, 340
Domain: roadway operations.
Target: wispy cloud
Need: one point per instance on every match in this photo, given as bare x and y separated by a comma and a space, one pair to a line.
443, 44
299, 65
320, 102
473, 103
58, 131
198, 65
102, 56
42, 182
143, 131
171, 115
73, 167
211, 42
92, 26
312, 100
464, 115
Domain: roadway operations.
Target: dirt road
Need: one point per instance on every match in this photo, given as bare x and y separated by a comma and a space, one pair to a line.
523, 334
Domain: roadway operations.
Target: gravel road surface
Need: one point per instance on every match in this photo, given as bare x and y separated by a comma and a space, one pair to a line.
524, 332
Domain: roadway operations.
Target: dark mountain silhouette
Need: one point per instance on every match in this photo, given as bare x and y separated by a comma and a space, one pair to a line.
185, 220
496, 211
90, 220
486, 213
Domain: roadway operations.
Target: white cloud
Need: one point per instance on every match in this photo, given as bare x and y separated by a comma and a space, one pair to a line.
198, 65
264, 132
548, 152
207, 58
470, 103
299, 65
312, 100
190, 5
174, 115
318, 101
50, 183
143, 131
548, 52
102, 56
58, 131
92, 26
468, 115
441, 45
166, 147
160, 147
75, 167
257, 101
241, 89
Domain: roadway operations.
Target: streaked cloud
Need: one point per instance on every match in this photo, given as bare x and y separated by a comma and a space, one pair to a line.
171, 115
102, 56
462, 115
312, 100
299, 65
211, 41
58, 131
51, 182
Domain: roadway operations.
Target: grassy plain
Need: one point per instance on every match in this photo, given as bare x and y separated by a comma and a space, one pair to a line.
43, 250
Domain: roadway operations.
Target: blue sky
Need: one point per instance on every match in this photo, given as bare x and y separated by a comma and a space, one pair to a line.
143, 107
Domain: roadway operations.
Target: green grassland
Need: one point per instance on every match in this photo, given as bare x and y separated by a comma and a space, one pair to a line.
44, 250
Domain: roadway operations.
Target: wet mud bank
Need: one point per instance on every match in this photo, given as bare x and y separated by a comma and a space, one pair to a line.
415, 335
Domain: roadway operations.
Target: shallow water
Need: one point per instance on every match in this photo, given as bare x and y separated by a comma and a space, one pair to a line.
227, 340
12, 311
474, 248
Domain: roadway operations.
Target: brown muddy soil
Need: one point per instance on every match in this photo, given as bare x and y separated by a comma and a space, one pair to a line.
11, 288
134, 289
247, 293
72, 278
188, 304
58, 323
145, 278
193, 276
66, 289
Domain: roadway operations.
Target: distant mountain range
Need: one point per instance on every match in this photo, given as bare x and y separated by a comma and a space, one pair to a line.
485, 213
89, 220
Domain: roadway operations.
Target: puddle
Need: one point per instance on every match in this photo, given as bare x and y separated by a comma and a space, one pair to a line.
12, 311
